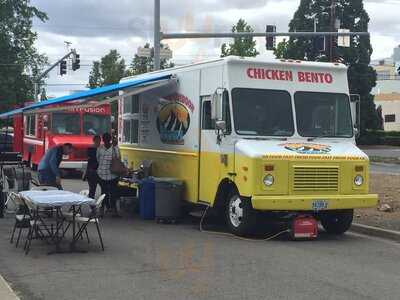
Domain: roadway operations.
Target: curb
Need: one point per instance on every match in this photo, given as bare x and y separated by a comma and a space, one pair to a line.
376, 231
6, 292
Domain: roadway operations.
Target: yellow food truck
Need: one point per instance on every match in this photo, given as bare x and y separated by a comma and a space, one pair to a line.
248, 135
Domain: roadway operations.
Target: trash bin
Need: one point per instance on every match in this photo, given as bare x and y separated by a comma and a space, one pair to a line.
147, 199
168, 199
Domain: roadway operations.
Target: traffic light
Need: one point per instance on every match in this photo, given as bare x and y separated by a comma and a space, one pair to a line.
63, 67
319, 43
270, 40
76, 62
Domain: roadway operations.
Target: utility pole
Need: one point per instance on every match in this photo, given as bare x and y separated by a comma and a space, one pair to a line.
157, 35
332, 28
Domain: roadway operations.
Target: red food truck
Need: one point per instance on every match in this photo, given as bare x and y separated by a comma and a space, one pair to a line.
35, 133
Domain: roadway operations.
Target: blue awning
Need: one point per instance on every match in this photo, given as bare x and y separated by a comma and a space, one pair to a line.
11, 113
101, 91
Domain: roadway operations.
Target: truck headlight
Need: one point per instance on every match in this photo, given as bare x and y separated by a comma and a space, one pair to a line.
268, 180
358, 180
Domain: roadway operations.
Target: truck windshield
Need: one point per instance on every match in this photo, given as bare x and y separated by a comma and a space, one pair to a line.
262, 112
96, 124
66, 123
323, 114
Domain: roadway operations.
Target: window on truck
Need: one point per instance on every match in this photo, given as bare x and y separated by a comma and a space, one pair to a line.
207, 122
262, 112
226, 112
94, 124
131, 104
30, 125
131, 110
66, 123
323, 114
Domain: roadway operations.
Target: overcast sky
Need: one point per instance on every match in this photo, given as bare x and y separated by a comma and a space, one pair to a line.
96, 26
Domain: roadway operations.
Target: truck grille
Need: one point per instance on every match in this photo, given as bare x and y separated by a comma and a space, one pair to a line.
307, 178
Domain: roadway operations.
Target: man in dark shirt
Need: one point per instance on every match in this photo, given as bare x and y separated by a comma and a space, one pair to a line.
49, 166
91, 169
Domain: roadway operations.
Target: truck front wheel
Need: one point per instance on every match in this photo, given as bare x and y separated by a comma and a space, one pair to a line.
240, 216
337, 222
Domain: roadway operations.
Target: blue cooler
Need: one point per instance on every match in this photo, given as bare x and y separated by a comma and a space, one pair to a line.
147, 198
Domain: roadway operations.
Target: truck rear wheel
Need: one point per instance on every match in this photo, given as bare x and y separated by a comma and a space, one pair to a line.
240, 216
337, 222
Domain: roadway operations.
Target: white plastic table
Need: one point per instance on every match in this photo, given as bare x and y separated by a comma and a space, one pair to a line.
57, 199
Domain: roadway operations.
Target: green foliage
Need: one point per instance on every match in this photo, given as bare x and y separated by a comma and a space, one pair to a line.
243, 46
18, 55
362, 77
110, 69
281, 49
380, 137
142, 65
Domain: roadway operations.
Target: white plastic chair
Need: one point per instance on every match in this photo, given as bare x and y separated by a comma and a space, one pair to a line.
83, 222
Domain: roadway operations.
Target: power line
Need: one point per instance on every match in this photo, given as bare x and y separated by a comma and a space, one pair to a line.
92, 27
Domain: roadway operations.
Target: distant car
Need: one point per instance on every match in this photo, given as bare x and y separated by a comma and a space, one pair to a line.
6, 142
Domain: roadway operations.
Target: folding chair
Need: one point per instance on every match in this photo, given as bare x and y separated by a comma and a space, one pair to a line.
93, 218
69, 213
38, 226
22, 220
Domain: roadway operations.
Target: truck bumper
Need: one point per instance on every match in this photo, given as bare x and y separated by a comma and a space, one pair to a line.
78, 165
304, 202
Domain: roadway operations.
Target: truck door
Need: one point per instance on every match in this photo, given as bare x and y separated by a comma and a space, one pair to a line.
216, 153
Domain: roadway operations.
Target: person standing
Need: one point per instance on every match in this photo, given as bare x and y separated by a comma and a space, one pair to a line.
108, 181
92, 165
49, 166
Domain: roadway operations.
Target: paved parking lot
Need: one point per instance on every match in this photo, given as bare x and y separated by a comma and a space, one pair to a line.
145, 260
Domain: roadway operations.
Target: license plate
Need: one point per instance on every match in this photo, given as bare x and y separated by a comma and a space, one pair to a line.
319, 204
65, 156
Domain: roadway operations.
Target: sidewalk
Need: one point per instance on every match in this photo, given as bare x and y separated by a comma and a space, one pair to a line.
6, 293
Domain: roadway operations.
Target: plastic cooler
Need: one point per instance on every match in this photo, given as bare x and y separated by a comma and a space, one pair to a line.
147, 199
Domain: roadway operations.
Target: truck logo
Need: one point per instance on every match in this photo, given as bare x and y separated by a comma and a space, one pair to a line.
307, 148
173, 122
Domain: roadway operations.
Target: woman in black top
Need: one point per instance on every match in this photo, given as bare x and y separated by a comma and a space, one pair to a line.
92, 164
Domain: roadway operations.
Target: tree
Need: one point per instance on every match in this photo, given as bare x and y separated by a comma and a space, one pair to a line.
110, 69
95, 76
352, 15
142, 65
18, 54
241, 46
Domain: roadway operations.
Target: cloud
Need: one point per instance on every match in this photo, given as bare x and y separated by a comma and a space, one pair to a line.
96, 26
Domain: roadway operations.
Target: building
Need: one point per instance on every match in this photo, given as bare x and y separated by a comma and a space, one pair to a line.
387, 90
390, 104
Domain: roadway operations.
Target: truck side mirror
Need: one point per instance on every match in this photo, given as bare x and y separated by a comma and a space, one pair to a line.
216, 105
220, 125
355, 105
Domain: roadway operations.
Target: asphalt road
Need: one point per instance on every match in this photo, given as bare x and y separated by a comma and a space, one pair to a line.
382, 168
145, 260
388, 151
